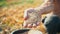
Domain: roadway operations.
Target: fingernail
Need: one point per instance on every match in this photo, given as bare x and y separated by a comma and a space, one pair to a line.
25, 18
29, 25
34, 25
37, 23
25, 25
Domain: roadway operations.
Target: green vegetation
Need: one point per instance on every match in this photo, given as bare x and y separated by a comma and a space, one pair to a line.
29, 1
4, 2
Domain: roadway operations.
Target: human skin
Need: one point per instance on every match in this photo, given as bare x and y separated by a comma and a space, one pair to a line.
46, 7
52, 22
56, 8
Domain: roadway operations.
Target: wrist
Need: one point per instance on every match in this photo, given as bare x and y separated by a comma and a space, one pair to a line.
38, 11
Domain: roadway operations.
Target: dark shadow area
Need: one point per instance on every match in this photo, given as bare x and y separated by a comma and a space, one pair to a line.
21, 31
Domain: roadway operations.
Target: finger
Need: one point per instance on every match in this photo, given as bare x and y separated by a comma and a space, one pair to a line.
26, 18
25, 15
29, 26
25, 25
34, 25
37, 23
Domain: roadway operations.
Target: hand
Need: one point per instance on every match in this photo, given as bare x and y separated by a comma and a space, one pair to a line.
27, 17
27, 11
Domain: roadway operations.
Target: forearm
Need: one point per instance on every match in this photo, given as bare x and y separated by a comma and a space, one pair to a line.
45, 7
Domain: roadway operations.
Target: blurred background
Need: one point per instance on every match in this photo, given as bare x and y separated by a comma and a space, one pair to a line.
11, 13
